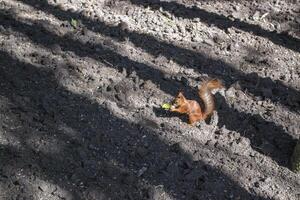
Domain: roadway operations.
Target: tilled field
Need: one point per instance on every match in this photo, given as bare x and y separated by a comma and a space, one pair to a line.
82, 84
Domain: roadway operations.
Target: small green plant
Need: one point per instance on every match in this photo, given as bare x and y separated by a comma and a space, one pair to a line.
74, 23
296, 158
166, 106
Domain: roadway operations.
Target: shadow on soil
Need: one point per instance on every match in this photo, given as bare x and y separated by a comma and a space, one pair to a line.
281, 93
266, 137
76, 144
221, 21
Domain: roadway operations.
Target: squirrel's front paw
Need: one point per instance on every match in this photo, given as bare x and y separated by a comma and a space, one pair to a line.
172, 108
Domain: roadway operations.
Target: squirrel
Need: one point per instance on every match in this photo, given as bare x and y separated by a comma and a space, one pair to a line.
192, 107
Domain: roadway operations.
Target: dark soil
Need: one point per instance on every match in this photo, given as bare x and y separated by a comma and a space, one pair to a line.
80, 103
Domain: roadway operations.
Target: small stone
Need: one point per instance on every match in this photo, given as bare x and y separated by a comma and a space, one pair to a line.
142, 171
237, 15
256, 16
236, 45
230, 92
167, 77
56, 49
210, 42
230, 31
177, 77
218, 40
188, 71
252, 154
124, 72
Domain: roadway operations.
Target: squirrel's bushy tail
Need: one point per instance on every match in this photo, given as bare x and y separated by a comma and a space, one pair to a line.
206, 95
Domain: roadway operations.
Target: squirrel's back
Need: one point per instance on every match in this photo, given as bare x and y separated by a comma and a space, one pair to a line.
206, 95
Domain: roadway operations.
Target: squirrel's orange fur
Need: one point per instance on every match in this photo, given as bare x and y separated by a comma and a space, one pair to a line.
192, 108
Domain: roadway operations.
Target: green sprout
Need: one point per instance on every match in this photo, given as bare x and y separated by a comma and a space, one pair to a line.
74, 23
166, 106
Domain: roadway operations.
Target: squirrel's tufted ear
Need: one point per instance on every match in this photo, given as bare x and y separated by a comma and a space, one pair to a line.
180, 94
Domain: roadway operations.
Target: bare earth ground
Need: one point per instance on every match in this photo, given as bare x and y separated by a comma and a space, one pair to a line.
80, 104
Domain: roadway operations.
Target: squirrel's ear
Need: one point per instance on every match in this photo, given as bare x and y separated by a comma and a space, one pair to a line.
218, 82
180, 94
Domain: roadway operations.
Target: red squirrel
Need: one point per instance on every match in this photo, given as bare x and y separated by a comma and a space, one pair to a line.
192, 107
